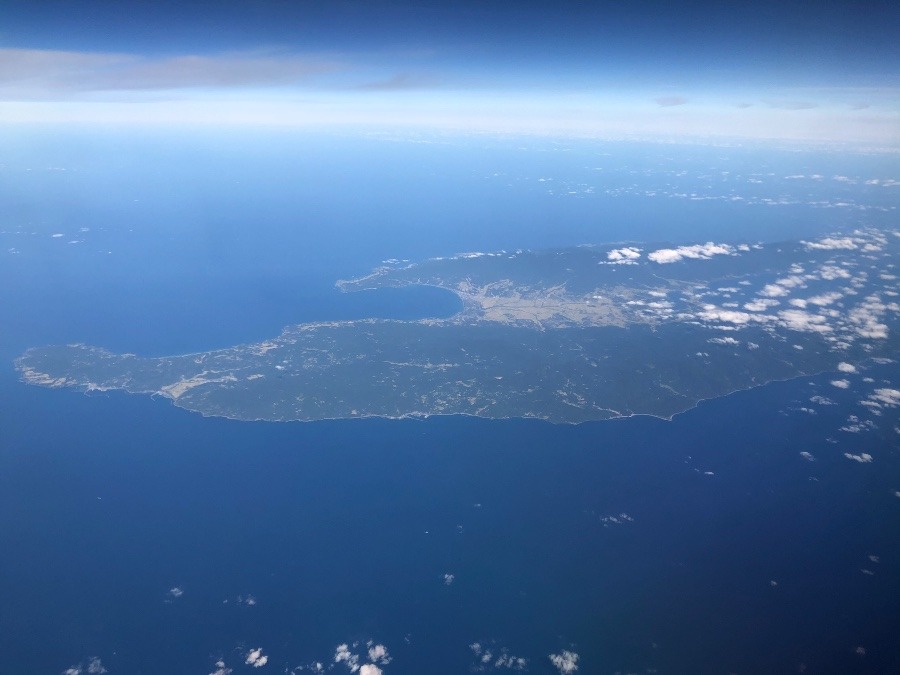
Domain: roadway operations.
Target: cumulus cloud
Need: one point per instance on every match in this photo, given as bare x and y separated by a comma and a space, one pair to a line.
797, 319
93, 666
378, 653
831, 272
489, 658
808, 456
840, 384
221, 669
175, 592
342, 654
511, 662
256, 658
695, 252
831, 244
760, 305
863, 458
449, 579
886, 397
846, 367
791, 281
713, 313
565, 662
773, 291
866, 318
623, 256
825, 299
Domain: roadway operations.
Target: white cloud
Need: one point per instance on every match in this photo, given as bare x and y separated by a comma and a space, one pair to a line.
695, 252
887, 397
773, 291
724, 341
797, 319
256, 658
221, 669
346, 653
93, 666
831, 243
825, 299
865, 318
625, 255
831, 272
342, 654
846, 367
791, 281
449, 579
176, 592
565, 662
760, 305
511, 662
713, 313
487, 660
378, 654
863, 458
840, 384
808, 456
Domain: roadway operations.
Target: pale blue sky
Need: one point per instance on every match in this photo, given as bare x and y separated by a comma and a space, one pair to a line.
770, 71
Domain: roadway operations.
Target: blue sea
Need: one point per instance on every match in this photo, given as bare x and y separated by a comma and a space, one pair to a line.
148, 539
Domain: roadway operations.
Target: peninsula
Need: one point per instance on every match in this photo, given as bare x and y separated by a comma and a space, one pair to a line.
568, 336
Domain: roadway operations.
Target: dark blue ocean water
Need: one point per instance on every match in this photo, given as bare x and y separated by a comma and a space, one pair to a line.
342, 532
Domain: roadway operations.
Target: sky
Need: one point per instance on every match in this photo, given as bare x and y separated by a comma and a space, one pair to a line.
825, 72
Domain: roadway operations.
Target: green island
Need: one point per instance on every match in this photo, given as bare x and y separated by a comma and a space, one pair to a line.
569, 336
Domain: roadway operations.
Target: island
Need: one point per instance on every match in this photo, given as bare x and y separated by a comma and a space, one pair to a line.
569, 336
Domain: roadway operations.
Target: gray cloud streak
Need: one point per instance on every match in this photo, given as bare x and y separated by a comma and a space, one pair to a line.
792, 105
670, 101
401, 82
28, 73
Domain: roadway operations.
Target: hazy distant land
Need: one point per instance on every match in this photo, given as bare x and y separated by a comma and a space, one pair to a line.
571, 335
